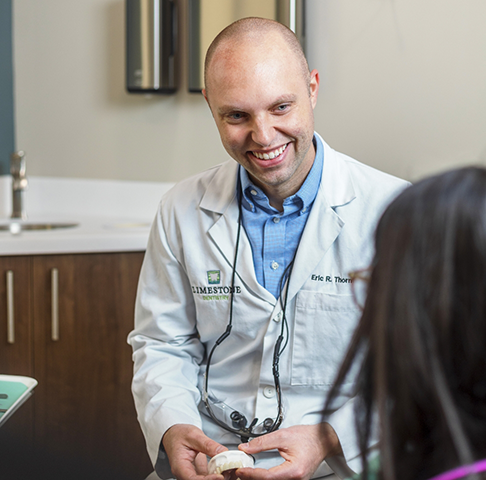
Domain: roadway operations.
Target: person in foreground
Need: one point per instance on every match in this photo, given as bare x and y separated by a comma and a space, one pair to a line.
244, 307
420, 344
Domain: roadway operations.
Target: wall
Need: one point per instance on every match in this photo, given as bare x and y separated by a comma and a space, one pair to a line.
403, 88
7, 136
75, 118
403, 81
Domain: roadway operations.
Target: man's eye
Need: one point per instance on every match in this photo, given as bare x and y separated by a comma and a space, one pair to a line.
282, 108
236, 116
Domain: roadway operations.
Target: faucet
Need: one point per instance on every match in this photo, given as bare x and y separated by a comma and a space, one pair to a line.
19, 184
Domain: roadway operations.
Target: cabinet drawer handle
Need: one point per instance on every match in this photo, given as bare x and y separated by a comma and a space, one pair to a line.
54, 305
10, 307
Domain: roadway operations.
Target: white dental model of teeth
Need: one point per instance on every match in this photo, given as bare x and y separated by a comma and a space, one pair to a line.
269, 156
229, 460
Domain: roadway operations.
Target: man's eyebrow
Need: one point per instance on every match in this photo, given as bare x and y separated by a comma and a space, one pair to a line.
284, 99
225, 109
228, 109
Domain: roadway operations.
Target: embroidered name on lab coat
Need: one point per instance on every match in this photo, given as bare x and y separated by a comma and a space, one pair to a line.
330, 279
212, 293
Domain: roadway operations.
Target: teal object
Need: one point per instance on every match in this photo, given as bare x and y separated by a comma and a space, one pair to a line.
10, 392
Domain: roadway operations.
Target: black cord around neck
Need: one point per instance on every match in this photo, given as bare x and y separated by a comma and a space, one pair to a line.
246, 433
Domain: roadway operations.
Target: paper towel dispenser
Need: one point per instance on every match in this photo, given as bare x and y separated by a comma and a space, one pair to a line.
151, 36
208, 17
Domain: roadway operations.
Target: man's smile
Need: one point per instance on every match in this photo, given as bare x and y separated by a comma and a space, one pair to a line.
270, 155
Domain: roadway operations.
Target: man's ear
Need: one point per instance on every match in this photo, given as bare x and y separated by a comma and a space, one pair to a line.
314, 87
205, 96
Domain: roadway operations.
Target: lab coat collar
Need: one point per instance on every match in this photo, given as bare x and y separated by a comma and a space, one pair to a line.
336, 184
322, 228
323, 225
221, 190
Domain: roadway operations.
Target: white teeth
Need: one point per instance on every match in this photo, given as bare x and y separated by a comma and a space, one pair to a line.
229, 460
271, 155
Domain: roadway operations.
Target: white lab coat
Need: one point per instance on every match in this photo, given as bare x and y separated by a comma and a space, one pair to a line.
179, 314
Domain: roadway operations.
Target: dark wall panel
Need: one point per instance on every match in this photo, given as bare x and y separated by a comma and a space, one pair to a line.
7, 135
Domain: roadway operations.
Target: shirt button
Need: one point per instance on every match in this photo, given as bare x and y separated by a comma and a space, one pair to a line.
274, 265
269, 392
304, 210
253, 192
276, 219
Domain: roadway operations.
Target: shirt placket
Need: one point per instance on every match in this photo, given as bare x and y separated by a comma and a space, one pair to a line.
274, 253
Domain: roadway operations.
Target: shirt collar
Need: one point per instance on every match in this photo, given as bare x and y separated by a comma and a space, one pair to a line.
305, 195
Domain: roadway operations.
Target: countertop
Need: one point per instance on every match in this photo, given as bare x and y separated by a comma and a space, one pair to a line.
90, 235
111, 216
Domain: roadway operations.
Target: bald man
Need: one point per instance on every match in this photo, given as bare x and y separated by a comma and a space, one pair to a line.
244, 307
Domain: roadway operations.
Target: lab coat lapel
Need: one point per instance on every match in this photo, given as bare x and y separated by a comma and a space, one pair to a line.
220, 197
324, 224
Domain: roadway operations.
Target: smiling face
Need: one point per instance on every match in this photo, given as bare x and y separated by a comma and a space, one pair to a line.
263, 104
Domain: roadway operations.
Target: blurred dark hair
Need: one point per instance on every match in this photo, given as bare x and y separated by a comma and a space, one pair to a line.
420, 346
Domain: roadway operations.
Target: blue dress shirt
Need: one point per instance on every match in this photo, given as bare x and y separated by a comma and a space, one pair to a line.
274, 236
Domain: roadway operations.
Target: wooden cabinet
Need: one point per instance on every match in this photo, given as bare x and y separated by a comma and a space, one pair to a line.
16, 357
72, 317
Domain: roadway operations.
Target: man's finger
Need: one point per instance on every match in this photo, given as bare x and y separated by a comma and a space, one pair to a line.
205, 445
201, 464
266, 442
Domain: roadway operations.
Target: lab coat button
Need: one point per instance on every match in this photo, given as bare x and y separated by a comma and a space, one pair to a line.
269, 392
277, 317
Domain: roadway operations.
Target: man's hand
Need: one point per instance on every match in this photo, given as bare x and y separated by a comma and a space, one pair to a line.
303, 448
187, 447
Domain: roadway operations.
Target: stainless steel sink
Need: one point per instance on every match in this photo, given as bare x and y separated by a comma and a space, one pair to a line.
17, 227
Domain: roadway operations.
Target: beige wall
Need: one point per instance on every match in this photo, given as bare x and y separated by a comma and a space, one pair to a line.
403, 81
403, 88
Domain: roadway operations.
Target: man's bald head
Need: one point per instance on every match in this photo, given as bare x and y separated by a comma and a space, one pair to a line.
253, 30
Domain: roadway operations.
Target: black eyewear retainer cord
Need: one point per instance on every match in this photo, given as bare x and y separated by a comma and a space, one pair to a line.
237, 418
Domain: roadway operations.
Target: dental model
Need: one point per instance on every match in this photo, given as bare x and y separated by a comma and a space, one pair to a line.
229, 461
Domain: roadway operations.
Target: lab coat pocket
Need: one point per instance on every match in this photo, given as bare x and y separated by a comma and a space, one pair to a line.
323, 327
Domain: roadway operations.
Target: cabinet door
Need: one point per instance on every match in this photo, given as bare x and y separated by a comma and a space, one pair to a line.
84, 409
16, 358
16, 338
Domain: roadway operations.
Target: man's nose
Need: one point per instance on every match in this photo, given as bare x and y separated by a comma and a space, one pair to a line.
262, 132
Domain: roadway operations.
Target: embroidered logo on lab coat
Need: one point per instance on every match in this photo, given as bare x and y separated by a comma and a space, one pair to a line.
211, 293
214, 277
215, 293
